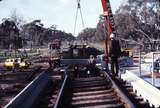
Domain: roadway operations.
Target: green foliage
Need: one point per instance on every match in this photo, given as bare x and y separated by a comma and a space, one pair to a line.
13, 37
137, 21
9, 34
87, 34
94, 34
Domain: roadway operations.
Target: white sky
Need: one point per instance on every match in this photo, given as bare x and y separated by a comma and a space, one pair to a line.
59, 12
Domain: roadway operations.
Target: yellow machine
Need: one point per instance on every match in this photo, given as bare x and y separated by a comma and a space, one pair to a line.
11, 62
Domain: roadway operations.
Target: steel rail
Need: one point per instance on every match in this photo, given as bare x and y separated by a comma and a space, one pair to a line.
125, 99
59, 100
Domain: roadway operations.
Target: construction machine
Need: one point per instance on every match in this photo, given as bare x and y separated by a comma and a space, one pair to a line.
55, 53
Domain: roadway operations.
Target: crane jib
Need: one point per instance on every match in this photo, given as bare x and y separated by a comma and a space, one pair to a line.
107, 13
109, 23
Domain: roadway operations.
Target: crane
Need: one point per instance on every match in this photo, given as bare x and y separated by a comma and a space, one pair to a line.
109, 23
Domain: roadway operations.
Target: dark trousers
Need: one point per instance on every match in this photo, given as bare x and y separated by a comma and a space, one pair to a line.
92, 70
114, 66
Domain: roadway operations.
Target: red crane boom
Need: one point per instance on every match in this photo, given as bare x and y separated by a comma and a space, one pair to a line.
109, 23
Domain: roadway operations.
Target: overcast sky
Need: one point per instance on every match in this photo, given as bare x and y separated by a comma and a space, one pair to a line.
59, 12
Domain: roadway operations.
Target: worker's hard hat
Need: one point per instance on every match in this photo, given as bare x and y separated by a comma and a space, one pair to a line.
111, 35
91, 56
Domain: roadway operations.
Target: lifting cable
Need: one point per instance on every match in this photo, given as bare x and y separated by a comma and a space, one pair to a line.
78, 10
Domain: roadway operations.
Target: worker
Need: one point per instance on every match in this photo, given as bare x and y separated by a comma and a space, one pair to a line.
76, 71
16, 66
50, 63
92, 66
157, 66
114, 54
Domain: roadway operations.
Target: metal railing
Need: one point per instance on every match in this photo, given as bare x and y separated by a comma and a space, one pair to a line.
27, 97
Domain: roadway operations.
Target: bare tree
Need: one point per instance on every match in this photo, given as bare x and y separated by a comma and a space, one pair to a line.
17, 18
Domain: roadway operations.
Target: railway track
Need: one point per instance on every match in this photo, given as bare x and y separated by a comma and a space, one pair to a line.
93, 92
98, 92
50, 90
11, 83
49, 96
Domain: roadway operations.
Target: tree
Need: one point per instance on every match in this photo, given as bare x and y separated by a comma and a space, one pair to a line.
17, 18
136, 20
101, 31
87, 34
37, 34
9, 33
